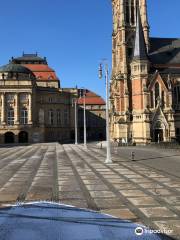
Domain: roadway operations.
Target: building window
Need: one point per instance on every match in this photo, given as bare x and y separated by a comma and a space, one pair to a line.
51, 116
10, 97
24, 116
132, 12
10, 116
156, 93
143, 68
59, 119
66, 117
162, 99
23, 97
178, 94
127, 12
178, 131
152, 99
50, 100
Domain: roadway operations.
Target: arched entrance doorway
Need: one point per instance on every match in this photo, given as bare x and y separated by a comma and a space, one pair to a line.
9, 137
158, 135
23, 137
159, 132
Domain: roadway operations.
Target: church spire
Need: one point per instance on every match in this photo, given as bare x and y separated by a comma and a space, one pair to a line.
140, 51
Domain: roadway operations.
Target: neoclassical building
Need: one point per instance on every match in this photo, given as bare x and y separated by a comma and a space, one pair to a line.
145, 84
33, 105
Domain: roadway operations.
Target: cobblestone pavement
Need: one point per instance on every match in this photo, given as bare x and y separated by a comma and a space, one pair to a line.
77, 176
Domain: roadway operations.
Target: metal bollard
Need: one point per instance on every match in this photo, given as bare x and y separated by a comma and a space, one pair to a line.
133, 156
101, 145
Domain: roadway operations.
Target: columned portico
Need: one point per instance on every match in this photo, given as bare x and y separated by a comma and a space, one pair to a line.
30, 109
16, 109
3, 120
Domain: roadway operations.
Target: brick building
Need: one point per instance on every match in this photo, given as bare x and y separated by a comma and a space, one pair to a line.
145, 85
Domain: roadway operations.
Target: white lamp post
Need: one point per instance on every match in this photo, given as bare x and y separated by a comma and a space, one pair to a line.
108, 152
83, 95
84, 103
74, 103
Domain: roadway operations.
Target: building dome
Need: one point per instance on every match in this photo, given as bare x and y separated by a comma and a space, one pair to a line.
14, 68
15, 71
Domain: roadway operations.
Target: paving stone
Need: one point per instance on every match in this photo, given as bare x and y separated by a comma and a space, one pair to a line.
173, 200
106, 203
96, 187
101, 194
134, 176
70, 195
89, 177
160, 191
150, 185
163, 180
157, 212
92, 182
67, 188
8, 197
133, 193
120, 213
143, 201
125, 186
67, 182
173, 184
117, 180
177, 207
173, 226
140, 180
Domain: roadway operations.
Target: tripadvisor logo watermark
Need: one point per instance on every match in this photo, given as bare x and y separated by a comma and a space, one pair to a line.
140, 231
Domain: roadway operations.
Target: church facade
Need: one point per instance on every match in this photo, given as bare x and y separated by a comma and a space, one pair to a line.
34, 107
145, 84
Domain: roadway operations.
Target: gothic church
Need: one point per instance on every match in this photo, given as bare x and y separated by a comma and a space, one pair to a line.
145, 84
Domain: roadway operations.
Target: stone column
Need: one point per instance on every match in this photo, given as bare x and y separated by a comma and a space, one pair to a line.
16, 109
30, 109
3, 114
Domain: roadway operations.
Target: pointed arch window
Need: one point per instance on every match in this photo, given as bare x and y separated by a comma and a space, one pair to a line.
132, 12
127, 12
162, 99
157, 93
152, 99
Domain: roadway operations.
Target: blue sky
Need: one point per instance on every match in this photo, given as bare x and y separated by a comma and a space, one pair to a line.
74, 35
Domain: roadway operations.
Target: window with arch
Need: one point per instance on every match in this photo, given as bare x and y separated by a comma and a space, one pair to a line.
59, 117
132, 12
152, 99
10, 116
157, 93
127, 12
51, 116
162, 99
24, 116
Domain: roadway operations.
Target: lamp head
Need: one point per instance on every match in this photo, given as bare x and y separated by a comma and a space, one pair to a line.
100, 71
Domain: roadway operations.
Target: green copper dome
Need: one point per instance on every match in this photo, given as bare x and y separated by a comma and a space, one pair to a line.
14, 68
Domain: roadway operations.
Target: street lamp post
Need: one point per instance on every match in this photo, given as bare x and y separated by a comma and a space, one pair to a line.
82, 94
74, 102
84, 103
108, 149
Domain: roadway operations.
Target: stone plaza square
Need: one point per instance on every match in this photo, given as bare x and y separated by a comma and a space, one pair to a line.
74, 175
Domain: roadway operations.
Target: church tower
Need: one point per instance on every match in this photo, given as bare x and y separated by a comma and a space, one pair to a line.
123, 39
140, 125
